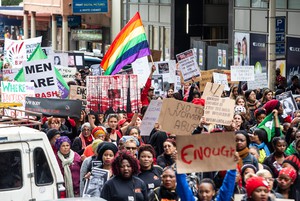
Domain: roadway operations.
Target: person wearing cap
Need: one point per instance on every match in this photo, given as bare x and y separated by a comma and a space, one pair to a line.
148, 91
69, 162
257, 189
285, 184
53, 134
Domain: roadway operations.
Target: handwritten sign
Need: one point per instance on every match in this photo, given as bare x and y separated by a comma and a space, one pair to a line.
150, 117
220, 78
242, 73
260, 81
212, 89
179, 117
188, 65
219, 110
206, 152
77, 92
68, 73
16, 92
42, 74
206, 76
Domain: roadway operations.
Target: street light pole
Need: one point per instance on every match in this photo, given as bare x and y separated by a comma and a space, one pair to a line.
272, 45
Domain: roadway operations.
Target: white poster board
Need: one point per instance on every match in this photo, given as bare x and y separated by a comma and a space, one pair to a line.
141, 68
242, 73
188, 65
260, 81
150, 117
42, 73
94, 185
220, 78
68, 73
166, 69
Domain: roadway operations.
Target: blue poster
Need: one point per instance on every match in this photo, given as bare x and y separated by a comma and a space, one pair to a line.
91, 6
258, 52
292, 58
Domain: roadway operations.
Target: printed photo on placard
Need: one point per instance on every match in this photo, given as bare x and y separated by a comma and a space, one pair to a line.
288, 102
157, 83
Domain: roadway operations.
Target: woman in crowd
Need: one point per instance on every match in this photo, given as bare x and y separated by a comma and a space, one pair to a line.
53, 134
234, 92
69, 163
259, 115
149, 173
267, 96
83, 140
267, 175
285, 186
246, 172
112, 129
93, 119
124, 185
257, 190
252, 102
135, 132
242, 143
166, 159
106, 154
98, 132
167, 189
275, 160
241, 101
259, 139
56, 123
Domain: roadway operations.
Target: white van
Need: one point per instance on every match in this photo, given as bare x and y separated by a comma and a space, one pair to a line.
28, 168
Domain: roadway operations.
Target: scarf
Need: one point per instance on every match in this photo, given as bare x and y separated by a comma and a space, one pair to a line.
252, 105
243, 154
66, 162
85, 141
167, 194
262, 147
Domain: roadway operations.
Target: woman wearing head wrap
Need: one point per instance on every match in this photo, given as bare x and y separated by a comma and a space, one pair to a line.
285, 184
125, 185
106, 154
69, 163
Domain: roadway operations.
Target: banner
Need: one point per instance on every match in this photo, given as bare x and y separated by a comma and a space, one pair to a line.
113, 94
16, 92
260, 81
18, 51
179, 117
42, 74
77, 92
242, 73
205, 153
241, 49
292, 58
150, 117
219, 110
188, 65
288, 102
54, 107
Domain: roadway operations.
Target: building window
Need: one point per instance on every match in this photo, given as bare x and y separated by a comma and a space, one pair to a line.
11, 170
280, 3
242, 3
259, 4
294, 4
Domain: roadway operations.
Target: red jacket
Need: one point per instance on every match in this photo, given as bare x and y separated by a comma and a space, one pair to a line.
144, 95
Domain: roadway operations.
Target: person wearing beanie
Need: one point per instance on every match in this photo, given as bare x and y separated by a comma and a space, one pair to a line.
285, 184
52, 135
242, 143
247, 171
257, 189
69, 162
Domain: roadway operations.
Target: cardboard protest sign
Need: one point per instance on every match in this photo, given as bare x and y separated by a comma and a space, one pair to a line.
93, 186
113, 94
16, 92
9, 74
288, 102
212, 89
156, 55
77, 92
54, 106
242, 73
188, 65
166, 69
179, 117
220, 78
150, 117
260, 81
206, 76
219, 110
42, 74
141, 68
206, 152
18, 51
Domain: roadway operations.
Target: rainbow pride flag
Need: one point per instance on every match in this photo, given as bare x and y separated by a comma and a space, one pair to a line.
130, 44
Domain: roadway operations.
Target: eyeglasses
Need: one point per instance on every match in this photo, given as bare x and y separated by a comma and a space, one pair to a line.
131, 148
86, 130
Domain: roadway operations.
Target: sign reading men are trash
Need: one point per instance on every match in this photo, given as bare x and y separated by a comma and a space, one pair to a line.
188, 65
242, 73
219, 110
54, 106
205, 153
179, 117
42, 74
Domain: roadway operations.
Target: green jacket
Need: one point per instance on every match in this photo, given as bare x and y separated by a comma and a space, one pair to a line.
291, 149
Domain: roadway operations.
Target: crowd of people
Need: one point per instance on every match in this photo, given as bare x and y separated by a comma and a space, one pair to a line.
144, 168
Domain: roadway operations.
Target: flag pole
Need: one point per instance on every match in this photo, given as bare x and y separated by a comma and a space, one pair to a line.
151, 59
